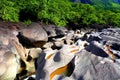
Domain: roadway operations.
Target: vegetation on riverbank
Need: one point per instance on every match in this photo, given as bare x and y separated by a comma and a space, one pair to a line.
58, 12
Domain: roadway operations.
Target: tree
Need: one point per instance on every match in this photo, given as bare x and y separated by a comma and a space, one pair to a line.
9, 11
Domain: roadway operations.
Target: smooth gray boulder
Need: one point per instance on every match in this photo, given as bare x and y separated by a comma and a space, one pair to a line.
53, 62
88, 66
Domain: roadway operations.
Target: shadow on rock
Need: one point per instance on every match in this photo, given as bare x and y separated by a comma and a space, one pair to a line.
95, 49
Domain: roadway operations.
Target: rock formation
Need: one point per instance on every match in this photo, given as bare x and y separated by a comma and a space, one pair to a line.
48, 52
33, 36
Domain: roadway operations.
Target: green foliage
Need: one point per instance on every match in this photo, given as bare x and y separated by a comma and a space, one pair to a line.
86, 13
28, 22
112, 18
56, 11
115, 7
61, 12
8, 11
100, 17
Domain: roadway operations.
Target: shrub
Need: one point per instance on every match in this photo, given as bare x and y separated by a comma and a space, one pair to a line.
8, 11
60, 12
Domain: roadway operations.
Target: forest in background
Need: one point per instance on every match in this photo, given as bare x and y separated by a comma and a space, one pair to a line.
61, 12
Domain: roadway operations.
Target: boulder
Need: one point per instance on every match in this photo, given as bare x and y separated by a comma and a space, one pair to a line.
48, 45
92, 62
50, 29
35, 32
62, 54
34, 52
88, 66
107, 36
61, 31
33, 36
8, 65
55, 63
54, 31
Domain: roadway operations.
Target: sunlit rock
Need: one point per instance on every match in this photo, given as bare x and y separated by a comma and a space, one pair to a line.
33, 36
8, 66
56, 63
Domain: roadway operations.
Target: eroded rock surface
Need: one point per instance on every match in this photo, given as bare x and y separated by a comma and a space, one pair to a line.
55, 53
92, 62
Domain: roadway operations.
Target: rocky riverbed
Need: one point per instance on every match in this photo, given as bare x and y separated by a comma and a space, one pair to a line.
47, 52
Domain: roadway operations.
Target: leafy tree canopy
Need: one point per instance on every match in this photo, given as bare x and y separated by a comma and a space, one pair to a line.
60, 12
